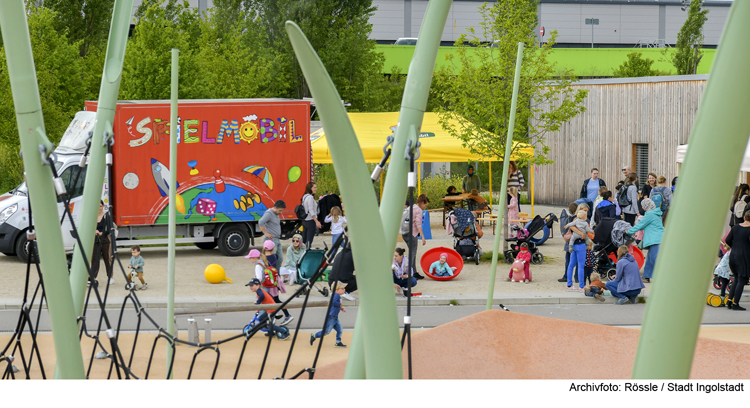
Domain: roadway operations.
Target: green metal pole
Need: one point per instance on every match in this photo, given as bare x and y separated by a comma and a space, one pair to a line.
371, 258
504, 184
683, 268
173, 136
413, 104
25, 88
105, 114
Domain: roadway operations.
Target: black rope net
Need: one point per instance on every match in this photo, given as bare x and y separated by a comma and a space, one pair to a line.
107, 337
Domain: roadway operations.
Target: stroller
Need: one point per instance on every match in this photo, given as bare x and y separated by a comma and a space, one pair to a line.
465, 239
535, 226
307, 266
609, 235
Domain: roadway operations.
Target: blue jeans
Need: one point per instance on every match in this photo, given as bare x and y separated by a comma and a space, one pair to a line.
612, 287
333, 323
578, 256
593, 291
335, 237
280, 331
403, 282
567, 262
648, 269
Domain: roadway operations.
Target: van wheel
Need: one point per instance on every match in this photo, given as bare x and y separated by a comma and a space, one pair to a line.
9, 253
206, 245
22, 248
234, 240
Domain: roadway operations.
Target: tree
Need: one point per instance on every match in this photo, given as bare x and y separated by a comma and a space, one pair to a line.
59, 75
84, 21
688, 52
636, 66
475, 89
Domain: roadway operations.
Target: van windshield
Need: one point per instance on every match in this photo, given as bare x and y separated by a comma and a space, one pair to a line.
23, 189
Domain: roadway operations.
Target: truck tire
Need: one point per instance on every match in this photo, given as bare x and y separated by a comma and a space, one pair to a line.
206, 245
234, 240
22, 248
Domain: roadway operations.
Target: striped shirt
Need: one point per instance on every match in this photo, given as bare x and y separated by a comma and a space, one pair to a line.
516, 180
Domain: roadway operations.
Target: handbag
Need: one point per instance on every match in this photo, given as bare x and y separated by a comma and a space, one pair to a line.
568, 235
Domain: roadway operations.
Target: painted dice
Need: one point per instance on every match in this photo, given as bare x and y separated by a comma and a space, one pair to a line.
206, 207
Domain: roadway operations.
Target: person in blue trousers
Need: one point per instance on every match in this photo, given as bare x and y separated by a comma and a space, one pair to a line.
627, 284
333, 317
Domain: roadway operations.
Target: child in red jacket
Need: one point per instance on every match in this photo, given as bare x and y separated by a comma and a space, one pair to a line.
525, 256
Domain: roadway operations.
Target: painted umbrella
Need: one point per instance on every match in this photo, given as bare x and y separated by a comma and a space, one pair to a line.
262, 173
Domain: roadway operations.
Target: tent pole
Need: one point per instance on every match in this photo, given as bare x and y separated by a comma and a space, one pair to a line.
419, 179
531, 193
490, 185
380, 197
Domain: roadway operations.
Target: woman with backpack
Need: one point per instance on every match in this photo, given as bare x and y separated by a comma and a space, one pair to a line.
310, 224
739, 204
661, 195
628, 199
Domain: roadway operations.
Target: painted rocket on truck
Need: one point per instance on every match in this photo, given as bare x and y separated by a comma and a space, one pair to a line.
234, 160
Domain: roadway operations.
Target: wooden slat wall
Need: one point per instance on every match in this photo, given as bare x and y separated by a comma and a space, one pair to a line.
660, 114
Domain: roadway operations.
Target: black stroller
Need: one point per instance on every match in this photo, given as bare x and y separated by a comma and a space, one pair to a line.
535, 226
465, 239
609, 235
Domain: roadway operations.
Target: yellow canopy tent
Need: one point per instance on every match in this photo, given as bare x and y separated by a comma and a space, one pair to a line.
438, 145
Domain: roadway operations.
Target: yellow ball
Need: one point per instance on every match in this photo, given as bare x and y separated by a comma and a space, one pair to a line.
214, 273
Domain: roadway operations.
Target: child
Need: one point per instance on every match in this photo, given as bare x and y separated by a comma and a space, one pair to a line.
595, 288
582, 225
722, 271
441, 268
451, 191
525, 256
513, 207
337, 223
269, 260
590, 264
136, 264
333, 317
264, 298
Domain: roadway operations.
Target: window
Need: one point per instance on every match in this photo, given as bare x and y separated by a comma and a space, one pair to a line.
73, 177
640, 166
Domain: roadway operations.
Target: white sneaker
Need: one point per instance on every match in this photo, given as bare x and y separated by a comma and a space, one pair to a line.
111, 281
347, 296
287, 320
143, 287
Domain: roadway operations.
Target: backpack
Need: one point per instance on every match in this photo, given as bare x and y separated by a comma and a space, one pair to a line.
740, 207
299, 210
405, 221
658, 198
270, 276
622, 197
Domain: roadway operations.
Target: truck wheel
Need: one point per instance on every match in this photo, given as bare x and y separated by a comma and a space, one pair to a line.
234, 240
206, 245
22, 248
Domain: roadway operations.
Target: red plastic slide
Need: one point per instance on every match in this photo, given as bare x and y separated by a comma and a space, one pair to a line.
432, 255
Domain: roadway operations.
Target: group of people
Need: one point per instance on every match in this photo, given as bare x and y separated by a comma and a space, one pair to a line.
734, 266
643, 208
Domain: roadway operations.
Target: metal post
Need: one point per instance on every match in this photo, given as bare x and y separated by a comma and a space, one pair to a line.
173, 136
531, 187
372, 240
719, 136
105, 114
506, 165
36, 148
207, 331
490, 162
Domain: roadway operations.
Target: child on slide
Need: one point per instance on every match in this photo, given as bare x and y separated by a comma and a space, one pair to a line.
441, 268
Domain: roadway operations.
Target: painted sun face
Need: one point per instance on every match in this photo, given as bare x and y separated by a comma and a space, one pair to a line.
249, 132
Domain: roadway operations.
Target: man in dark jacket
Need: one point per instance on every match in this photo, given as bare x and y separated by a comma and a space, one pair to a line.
590, 188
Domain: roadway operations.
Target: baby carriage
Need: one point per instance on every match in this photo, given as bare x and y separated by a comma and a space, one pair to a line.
535, 226
609, 235
465, 239
308, 265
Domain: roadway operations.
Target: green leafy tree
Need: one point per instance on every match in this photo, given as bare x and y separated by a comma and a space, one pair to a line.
476, 89
61, 91
84, 21
687, 54
636, 66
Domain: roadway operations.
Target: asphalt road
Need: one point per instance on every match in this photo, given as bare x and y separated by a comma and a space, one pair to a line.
422, 317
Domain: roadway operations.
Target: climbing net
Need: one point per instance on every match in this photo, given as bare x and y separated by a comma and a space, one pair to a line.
107, 339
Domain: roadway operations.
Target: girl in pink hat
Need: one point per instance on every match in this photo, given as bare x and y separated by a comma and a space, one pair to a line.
441, 267
268, 260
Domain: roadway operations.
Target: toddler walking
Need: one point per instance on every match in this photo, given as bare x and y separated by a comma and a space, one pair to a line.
582, 225
136, 264
333, 317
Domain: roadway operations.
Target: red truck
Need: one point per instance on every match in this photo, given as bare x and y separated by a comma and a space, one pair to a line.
235, 158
